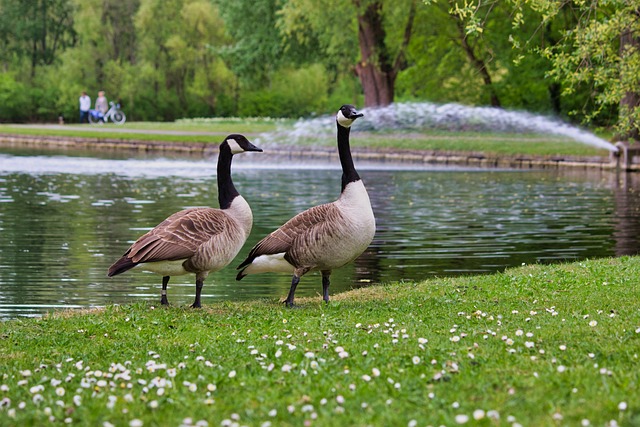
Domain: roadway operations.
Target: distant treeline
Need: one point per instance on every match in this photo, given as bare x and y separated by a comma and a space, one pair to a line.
168, 59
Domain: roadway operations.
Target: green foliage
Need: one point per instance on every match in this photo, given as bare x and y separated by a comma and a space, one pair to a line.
36, 30
186, 58
537, 345
293, 93
346, 90
180, 73
599, 51
14, 99
257, 48
517, 82
328, 25
367, 38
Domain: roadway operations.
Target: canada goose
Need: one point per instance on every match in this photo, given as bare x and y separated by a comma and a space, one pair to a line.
323, 237
196, 240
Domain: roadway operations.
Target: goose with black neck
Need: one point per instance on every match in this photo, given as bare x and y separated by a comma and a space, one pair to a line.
324, 237
196, 240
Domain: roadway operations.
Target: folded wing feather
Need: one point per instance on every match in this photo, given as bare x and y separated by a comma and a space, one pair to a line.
179, 236
307, 225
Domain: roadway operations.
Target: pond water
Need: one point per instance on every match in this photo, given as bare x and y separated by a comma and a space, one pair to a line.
65, 218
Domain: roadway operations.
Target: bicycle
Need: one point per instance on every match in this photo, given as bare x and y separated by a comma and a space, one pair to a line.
114, 113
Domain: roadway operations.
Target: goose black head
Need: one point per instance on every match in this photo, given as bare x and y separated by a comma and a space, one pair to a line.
238, 144
347, 114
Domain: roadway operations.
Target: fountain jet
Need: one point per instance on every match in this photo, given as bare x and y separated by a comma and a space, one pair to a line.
420, 116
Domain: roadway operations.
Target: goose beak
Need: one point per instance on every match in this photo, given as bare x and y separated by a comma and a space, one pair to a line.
356, 115
252, 147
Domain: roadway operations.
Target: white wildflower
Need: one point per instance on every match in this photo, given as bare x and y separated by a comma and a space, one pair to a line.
462, 418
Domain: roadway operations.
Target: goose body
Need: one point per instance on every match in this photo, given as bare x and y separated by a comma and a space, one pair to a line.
196, 240
324, 237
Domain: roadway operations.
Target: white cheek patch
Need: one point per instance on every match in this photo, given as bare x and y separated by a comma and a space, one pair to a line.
344, 122
234, 146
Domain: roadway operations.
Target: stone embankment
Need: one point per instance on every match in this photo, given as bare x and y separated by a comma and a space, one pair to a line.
416, 157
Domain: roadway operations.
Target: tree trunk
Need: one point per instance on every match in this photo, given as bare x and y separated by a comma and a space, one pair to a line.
630, 102
378, 86
376, 70
477, 63
554, 88
555, 96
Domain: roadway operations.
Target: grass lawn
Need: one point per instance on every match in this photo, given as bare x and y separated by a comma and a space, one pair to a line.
280, 132
487, 143
533, 346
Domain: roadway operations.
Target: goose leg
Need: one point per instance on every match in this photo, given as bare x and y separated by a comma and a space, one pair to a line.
325, 285
199, 285
163, 298
294, 283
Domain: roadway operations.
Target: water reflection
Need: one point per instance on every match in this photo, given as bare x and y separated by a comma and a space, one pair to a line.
65, 219
626, 214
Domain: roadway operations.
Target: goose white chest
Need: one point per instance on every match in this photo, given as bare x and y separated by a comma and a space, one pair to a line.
358, 226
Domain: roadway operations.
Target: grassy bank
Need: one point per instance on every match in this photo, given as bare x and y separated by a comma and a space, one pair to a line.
212, 131
536, 345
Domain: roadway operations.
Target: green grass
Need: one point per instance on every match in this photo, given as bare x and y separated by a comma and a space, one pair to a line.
221, 125
487, 143
537, 345
88, 133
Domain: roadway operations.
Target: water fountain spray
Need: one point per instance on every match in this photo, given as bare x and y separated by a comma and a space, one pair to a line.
421, 116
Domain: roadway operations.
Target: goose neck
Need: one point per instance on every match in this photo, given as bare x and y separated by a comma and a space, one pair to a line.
226, 190
349, 173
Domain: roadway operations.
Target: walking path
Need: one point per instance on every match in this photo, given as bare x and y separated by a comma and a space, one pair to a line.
114, 129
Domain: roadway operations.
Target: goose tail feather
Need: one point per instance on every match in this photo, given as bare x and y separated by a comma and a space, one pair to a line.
246, 263
120, 266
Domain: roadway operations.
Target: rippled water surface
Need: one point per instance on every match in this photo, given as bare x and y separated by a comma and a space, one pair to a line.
64, 219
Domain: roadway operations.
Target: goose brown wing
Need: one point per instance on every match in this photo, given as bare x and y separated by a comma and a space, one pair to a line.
304, 225
179, 236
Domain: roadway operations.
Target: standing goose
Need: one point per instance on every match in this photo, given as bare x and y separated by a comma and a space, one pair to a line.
196, 240
324, 237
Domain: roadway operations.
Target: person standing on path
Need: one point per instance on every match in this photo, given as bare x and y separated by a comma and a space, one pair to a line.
85, 106
101, 103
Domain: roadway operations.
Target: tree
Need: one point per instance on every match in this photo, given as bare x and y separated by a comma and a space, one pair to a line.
256, 47
468, 24
33, 35
118, 28
180, 71
336, 25
460, 52
483, 29
202, 35
36, 30
377, 69
600, 50
630, 77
